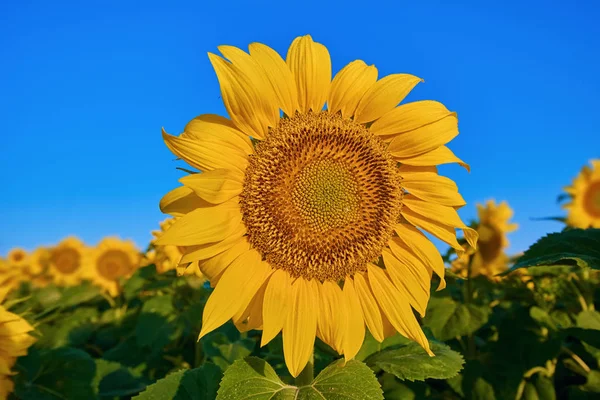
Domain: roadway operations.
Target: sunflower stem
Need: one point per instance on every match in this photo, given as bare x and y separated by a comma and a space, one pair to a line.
308, 373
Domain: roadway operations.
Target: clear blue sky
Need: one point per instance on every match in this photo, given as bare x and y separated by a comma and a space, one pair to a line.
86, 86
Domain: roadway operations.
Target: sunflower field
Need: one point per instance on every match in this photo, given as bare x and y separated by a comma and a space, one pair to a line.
297, 262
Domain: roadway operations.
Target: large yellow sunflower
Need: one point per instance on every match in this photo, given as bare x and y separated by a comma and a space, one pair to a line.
307, 222
489, 259
67, 261
584, 207
14, 342
110, 261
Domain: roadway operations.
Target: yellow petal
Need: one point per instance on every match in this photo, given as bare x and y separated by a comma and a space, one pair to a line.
206, 154
441, 231
216, 186
424, 139
395, 307
204, 225
409, 275
431, 187
217, 127
439, 156
181, 201
370, 309
213, 267
204, 251
355, 323
279, 75
383, 96
423, 248
251, 317
331, 320
300, 325
275, 305
257, 77
444, 215
242, 99
408, 117
237, 286
349, 85
311, 66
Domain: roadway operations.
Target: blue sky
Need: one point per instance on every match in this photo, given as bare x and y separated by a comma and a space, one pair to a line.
87, 86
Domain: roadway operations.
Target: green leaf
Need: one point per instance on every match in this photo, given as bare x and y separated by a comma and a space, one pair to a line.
161, 305
573, 246
254, 378
589, 336
412, 363
103, 368
74, 330
222, 352
589, 319
75, 295
393, 389
114, 380
341, 380
448, 319
153, 330
593, 382
481, 390
371, 346
195, 384
63, 373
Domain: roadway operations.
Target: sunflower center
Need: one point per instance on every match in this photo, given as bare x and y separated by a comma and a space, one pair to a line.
113, 264
321, 197
18, 256
489, 244
66, 261
591, 199
326, 195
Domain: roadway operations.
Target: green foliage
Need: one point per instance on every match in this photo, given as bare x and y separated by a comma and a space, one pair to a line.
449, 319
411, 362
196, 384
256, 379
573, 246
508, 338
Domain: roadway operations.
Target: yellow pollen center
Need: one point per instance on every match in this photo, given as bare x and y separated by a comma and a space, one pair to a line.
326, 195
591, 199
113, 264
321, 197
66, 260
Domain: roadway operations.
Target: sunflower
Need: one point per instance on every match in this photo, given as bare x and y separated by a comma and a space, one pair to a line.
306, 220
584, 208
14, 342
17, 258
9, 276
110, 261
490, 258
66, 261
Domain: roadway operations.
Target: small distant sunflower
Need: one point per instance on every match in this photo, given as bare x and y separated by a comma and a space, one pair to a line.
307, 223
110, 261
584, 207
9, 276
165, 257
17, 257
14, 342
66, 261
489, 259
